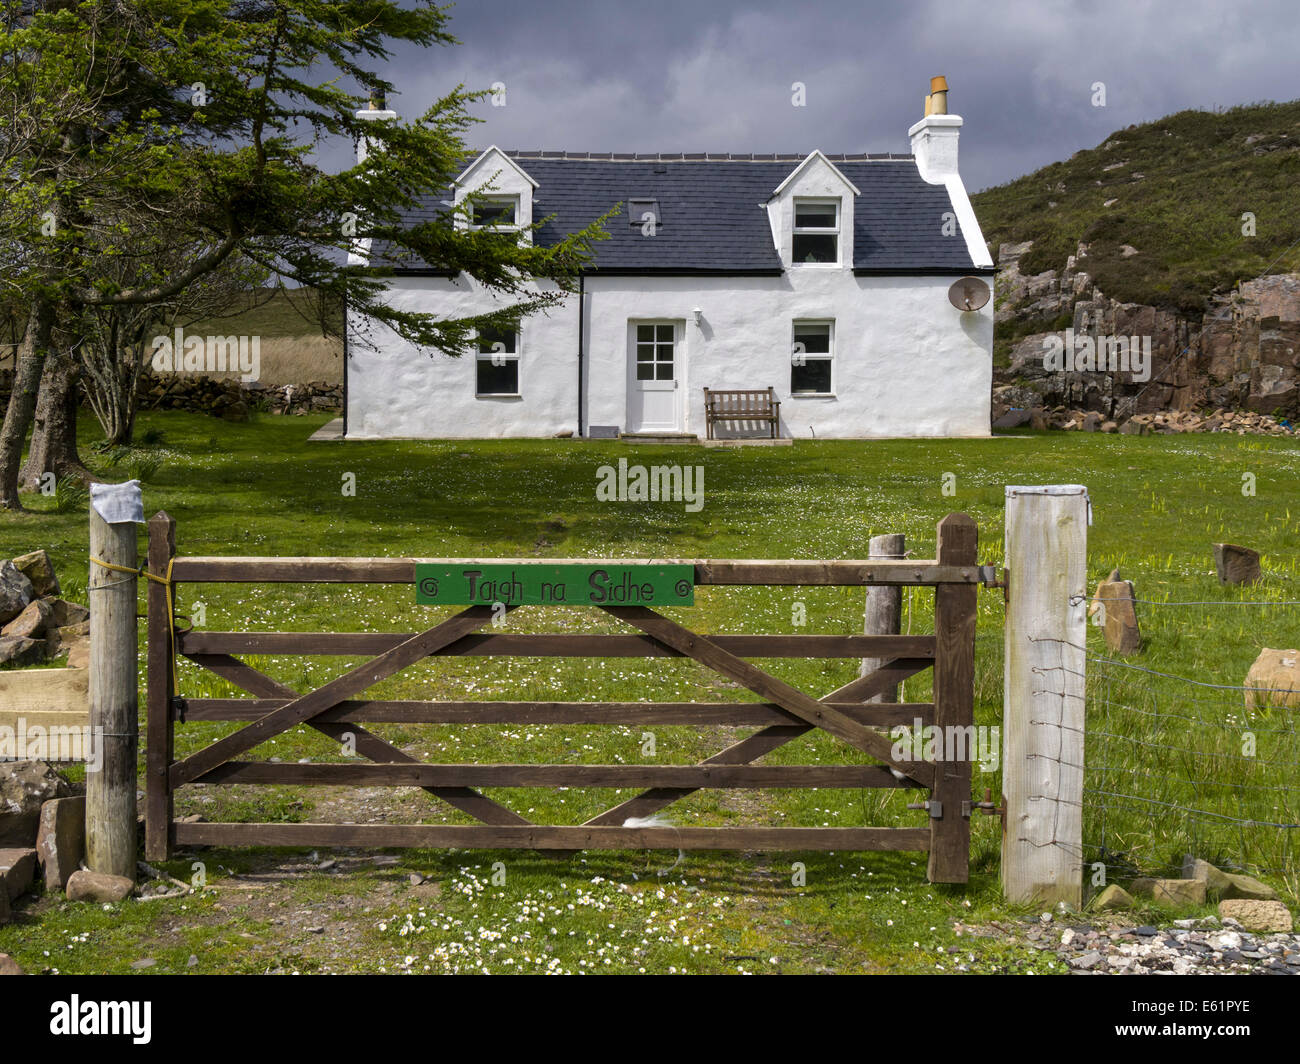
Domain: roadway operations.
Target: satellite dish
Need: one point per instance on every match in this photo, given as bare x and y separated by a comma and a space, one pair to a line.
969, 293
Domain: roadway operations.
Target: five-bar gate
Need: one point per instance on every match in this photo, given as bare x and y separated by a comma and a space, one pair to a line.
339, 708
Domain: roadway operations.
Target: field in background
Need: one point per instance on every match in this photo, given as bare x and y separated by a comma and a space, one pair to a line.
1159, 503
288, 321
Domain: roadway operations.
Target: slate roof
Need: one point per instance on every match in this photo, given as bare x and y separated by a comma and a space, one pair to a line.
711, 220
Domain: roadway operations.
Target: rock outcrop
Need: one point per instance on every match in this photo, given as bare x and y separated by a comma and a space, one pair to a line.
1243, 353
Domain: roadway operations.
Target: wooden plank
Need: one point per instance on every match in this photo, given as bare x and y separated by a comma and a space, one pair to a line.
733, 572
1044, 684
420, 774
538, 837
24, 692
955, 614
610, 645
366, 744
756, 745
161, 663
308, 705
761, 683
724, 714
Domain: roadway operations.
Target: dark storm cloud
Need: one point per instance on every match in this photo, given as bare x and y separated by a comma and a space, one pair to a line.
712, 75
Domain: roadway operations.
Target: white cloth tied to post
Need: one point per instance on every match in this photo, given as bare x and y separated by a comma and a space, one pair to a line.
118, 503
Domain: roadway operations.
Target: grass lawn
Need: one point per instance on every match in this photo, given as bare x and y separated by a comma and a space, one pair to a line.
261, 488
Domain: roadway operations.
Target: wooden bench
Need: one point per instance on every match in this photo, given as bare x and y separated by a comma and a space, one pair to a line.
760, 404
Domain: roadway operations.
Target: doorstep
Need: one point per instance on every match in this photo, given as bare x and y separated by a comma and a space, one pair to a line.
679, 438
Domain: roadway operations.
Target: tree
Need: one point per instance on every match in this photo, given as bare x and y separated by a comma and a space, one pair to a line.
201, 118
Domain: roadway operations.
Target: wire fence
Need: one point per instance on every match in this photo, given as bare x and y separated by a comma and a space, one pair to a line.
1176, 766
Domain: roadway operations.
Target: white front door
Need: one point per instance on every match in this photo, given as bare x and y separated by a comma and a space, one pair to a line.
654, 393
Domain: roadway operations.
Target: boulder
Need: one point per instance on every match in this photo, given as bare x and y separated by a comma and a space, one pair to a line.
38, 568
1267, 916
1012, 419
85, 885
1274, 679
1113, 897
79, 654
1119, 616
61, 840
25, 786
1216, 881
15, 650
1236, 565
62, 640
1179, 893
17, 870
1246, 887
9, 966
66, 613
16, 592
37, 617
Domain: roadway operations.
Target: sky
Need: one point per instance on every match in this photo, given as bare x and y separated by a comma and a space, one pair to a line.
717, 75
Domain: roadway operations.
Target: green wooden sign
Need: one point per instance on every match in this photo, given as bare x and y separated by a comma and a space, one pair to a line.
528, 584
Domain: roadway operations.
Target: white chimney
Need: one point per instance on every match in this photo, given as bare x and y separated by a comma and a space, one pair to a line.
376, 112
934, 138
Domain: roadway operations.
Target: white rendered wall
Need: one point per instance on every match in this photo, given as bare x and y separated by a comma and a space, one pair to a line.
906, 362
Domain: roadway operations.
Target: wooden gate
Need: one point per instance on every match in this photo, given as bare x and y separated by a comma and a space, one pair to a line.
335, 710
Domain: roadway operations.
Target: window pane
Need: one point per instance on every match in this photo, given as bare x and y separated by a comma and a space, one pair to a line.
664, 334
495, 212
645, 371
645, 334
664, 352
808, 247
645, 352
498, 380
489, 338
663, 371
813, 376
814, 215
816, 339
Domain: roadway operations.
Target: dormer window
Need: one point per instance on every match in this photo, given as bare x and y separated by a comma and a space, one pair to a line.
496, 212
816, 236
644, 213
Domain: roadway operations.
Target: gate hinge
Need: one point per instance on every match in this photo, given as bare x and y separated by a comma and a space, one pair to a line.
987, 807
934, 807
989, 577
177, 705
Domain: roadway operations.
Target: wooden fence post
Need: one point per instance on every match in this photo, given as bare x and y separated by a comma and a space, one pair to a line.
1043, 707
955, 611
883, 608
161, 671
111, 832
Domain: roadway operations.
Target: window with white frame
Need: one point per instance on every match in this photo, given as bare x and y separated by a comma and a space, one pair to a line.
497, 362
816, 236
811, 357
496, 212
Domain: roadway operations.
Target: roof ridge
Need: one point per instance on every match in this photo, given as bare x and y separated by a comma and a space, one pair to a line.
666, 157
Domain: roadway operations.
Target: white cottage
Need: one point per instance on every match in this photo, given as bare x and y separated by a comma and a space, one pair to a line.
824, 277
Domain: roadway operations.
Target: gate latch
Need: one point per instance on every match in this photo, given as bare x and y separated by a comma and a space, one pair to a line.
934, 807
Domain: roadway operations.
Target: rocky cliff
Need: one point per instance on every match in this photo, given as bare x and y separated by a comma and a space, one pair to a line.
1242, 353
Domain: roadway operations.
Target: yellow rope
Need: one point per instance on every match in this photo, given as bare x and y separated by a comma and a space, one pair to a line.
166, 582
